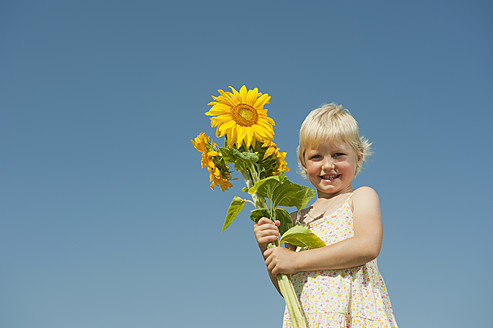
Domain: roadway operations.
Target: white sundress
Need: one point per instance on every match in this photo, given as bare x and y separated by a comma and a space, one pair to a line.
354, 297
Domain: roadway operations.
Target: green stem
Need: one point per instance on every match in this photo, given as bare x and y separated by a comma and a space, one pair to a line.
298, 320
286, 288
251, 177
294, 308
284, 291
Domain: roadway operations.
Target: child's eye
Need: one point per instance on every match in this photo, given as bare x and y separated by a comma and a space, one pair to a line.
339, 154
316, 157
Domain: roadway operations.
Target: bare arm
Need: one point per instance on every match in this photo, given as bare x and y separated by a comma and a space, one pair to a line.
363, 247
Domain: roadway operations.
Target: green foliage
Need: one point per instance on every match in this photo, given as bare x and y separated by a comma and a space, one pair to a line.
241, 159
283, 192
244, 158
301, 236
259, 213
234, 208
292, 194
265, 187
286, 221
277, 189
279, 214
265, 166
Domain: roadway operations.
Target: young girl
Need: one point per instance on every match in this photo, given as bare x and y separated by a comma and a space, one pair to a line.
338, 285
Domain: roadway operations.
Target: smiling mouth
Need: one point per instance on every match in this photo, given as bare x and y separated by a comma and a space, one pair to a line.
330, 177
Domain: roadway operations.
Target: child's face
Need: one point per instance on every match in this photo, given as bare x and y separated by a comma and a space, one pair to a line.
331, 167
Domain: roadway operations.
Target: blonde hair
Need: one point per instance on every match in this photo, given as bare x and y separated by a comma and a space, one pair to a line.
335, 123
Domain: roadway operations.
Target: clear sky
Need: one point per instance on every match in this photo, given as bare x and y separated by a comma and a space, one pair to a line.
107, 219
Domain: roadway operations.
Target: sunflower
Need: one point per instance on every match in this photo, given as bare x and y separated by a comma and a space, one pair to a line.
219, 170
281, 162
241, 117
202, 143
280, 157
219, 178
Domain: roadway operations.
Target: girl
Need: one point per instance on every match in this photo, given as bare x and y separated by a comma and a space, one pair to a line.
338, 285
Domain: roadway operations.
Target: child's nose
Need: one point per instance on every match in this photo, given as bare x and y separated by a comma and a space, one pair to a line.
328, 164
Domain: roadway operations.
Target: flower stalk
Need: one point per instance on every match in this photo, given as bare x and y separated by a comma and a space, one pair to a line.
248, 145
298, 319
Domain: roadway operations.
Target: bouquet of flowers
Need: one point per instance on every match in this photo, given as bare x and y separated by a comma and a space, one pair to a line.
248, 134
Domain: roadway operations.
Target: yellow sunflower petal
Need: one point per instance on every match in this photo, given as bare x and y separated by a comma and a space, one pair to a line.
220, 100
218, 109
258, 130
214, 123
243, 94
235, 96
265, 125
223, 128
225, 97
222, 118
252, 97
264, 99
225, 94
242, 132
271, 121
224, 185
219, 104
232, 133
249, 136
269, 152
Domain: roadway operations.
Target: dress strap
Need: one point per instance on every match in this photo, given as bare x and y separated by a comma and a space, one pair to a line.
349, 198
350, 195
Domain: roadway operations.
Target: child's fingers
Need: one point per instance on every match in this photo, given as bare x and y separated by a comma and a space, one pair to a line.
265, 224
267, 228
264, 220
271, 261
280, 260
266, 232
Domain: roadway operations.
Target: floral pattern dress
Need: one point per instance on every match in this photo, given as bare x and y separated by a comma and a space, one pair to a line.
354, 297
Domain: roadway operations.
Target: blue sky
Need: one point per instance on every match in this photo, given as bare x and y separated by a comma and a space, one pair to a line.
107, 219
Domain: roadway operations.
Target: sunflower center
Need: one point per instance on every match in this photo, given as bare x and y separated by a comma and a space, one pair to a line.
244, 115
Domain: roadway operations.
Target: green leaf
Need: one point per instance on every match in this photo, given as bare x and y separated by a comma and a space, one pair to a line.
292, 194
265, 187
234, 208
228, 154
286, 221
259, 213
232, 155
301, 236
248, 157
241, 159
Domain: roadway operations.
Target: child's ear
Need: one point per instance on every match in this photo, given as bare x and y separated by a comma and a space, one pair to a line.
360, 158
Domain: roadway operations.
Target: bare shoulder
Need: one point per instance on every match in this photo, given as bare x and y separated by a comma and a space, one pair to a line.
365, 198
365, 192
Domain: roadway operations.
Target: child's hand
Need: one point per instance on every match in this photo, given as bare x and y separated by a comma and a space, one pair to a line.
266, 232
280, 260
